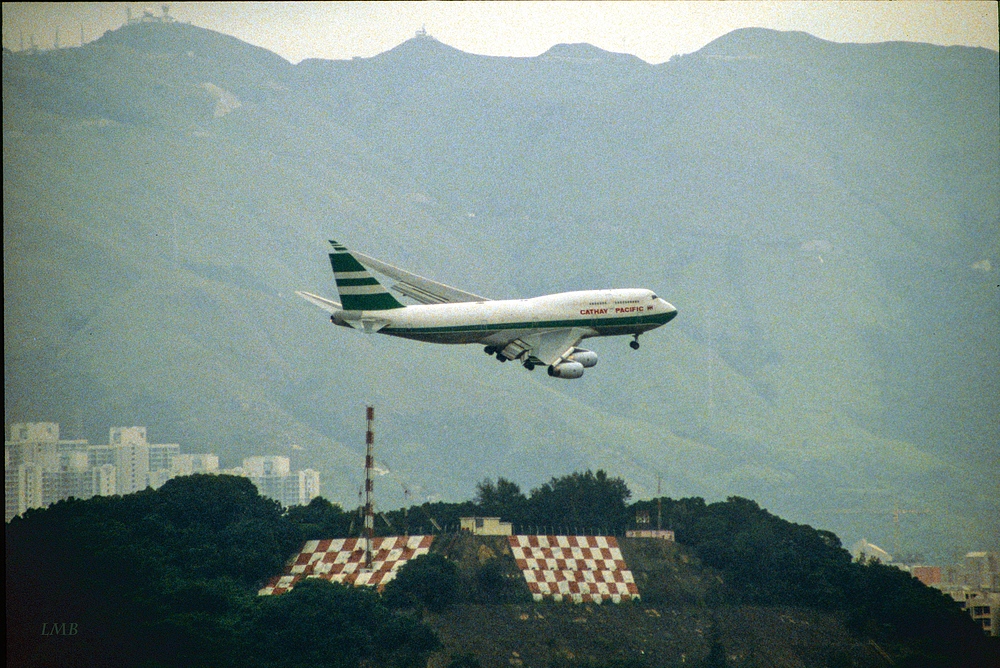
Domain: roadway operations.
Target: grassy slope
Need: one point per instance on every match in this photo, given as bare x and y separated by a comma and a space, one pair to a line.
676, 622
640, 634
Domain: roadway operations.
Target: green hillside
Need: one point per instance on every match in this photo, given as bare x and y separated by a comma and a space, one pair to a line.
170, 577
826, 217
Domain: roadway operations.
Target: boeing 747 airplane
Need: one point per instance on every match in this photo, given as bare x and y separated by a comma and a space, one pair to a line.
539, 331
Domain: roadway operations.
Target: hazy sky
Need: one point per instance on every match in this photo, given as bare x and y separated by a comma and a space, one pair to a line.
654, 31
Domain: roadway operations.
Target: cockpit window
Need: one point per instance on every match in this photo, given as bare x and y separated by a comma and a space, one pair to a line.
654, 297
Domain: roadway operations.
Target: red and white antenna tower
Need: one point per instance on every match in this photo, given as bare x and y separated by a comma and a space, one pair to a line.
369, 525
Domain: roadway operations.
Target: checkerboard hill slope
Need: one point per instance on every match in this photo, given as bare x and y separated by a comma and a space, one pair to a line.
489, 572
665, 573
731, 554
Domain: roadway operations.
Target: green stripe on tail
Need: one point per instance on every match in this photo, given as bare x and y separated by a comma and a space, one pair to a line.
359, 290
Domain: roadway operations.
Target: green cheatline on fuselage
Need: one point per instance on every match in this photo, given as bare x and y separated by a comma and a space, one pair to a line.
595, 323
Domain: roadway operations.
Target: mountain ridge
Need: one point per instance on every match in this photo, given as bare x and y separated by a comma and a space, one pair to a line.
817, 228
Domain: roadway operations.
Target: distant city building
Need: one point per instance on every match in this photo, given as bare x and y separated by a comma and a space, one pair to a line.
982, 570
161, 457
974, 583
929, 575
259, 467
304, 489
131, 458
870, 551
191, 464
100, 455
41, 469
982, 606
273, 478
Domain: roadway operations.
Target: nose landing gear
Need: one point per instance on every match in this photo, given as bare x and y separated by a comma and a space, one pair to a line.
634, 343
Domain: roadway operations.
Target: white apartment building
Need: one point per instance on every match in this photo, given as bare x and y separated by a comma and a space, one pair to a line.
41, 469
38, 466
130, 452
273, 478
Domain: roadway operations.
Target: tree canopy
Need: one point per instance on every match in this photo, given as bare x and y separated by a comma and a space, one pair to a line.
170, 578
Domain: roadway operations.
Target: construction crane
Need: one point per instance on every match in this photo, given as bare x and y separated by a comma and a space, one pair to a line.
895, 513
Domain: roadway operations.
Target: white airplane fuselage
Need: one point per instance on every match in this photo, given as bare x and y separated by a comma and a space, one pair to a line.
542, 331
493, 322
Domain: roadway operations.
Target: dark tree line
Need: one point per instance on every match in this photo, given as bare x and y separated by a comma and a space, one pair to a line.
592, 502
760, 558
766, 560
170, 578
583, 502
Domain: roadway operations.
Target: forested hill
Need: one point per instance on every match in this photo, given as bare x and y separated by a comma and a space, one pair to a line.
170, 578
824, 216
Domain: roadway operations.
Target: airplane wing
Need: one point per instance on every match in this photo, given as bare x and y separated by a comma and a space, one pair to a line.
424, 290
326, 304
553, 346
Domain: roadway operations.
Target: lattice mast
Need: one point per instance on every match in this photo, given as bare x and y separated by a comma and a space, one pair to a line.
369, 524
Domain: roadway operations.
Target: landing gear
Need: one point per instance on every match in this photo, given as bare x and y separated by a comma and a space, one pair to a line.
529, 366
489, 350
634, 343
501, 357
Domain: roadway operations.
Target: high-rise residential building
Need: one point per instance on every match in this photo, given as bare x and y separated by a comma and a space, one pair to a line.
22, 489
982, 569
131, 458
70, 478
33, 432
161, 459
105, 480
127, 436
301, 488
191, 464
100, 455
32, 443
266, 466
161, 456
41, 469
273, 478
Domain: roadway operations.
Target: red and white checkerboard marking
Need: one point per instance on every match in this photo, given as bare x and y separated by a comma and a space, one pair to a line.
342, 560
580, 568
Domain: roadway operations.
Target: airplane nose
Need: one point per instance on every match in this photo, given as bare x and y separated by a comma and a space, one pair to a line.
671, 310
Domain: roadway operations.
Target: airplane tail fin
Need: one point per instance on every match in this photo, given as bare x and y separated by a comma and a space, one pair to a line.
359, 291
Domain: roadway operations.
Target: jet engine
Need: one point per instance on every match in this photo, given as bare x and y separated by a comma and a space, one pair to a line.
566, 370
587, 358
